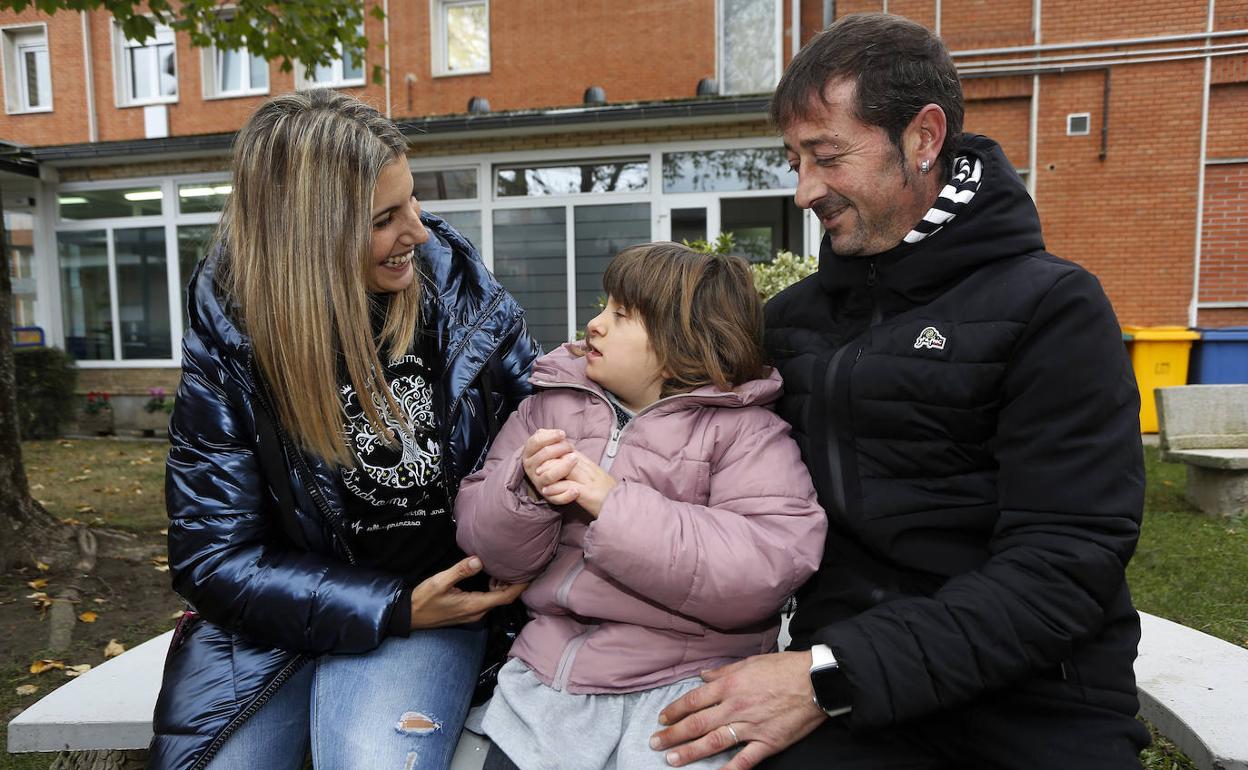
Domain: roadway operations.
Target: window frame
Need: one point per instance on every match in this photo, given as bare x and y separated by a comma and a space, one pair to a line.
304, 76
438, 31
213, 71
123, 74
16, 40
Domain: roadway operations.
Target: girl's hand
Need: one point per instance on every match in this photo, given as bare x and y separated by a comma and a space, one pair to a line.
436, 602
586, 484
547, 457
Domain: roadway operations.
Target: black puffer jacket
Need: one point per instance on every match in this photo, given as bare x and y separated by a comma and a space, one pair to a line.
271, 580
970, 419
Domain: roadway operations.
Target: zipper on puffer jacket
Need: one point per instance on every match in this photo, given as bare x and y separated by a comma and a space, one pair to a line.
564, 670
286, 673
301, 468
451, 485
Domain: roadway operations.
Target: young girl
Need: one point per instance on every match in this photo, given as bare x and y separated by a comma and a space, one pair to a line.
660, 508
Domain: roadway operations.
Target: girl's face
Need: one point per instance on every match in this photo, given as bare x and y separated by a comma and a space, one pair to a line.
397, 230
619, 356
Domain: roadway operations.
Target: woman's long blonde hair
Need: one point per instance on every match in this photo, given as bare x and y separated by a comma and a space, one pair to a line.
297, 228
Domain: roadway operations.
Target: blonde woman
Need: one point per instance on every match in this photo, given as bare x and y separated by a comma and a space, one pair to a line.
346, 363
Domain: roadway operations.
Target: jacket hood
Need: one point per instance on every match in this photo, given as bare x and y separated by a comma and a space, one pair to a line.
1000, 221
565, 367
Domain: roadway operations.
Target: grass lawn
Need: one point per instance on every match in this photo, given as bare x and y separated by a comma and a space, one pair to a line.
1189, 567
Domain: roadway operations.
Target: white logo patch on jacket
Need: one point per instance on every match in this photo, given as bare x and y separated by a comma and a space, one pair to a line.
930, 338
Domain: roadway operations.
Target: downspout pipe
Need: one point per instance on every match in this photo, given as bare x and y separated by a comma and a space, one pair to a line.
93, 129
1193, 308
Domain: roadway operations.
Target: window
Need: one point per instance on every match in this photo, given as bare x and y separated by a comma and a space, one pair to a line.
1078, 124
147, 70
28, 78
749, 46
341, 72
234, 73
754, 168
573, 178
461, 37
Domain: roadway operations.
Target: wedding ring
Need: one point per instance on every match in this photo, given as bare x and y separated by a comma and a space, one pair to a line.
733, 733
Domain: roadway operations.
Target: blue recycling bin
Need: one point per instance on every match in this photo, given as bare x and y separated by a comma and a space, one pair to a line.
1221, 357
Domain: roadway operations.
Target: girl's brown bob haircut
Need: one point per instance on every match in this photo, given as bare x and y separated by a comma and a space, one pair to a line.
701, 312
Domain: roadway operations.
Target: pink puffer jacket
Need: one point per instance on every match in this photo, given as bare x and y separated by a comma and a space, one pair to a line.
712, 526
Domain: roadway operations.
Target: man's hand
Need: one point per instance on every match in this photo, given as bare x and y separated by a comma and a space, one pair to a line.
767, 699
587, 484
436, 602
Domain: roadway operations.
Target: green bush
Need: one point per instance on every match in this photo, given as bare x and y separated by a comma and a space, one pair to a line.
46, 378
770, 278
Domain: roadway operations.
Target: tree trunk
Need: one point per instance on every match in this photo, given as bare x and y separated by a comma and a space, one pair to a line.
27, 531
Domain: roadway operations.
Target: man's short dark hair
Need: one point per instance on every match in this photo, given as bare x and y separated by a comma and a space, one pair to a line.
899, 67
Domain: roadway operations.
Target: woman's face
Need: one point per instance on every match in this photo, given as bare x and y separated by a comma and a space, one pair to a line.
397, 230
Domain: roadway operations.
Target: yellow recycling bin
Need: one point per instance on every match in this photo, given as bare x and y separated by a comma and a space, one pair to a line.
1159, 356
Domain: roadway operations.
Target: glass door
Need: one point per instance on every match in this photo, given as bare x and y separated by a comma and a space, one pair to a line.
688, 218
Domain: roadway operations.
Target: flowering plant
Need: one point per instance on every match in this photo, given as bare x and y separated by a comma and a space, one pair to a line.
158, 401
97, 403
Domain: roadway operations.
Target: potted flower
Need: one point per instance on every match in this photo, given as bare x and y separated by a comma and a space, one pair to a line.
97, 414
155, 414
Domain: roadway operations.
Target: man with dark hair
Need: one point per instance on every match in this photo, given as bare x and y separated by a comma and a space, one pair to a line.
965, 406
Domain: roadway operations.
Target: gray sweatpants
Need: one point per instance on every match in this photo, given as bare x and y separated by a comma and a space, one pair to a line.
544, 729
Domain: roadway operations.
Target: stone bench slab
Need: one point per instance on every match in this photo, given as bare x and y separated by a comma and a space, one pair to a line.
1194, 688
1223, 459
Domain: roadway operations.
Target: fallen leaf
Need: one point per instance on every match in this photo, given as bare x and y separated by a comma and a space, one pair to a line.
39, 666
177, 615
35, 488
88, 617
41, 566
98, 600
113, 648
75, 479
85, 509
41, 599
160, 559
79, 670
37, 584
161, 568
1167, 483
164, 532
27, 689
67, 444
71, 522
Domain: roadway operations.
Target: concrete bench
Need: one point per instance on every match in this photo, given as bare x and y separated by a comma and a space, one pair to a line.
1206, 427
1192, 687
111, 706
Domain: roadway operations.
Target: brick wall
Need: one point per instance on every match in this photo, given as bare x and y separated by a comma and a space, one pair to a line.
1224, 238
64, 124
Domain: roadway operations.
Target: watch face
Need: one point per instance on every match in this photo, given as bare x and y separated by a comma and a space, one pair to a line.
832, 690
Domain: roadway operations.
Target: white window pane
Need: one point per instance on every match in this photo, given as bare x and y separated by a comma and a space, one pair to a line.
749, 46
142, 67
168, 71
353, 68
324, 73
230, 64
45, 78
259, 73
467, 39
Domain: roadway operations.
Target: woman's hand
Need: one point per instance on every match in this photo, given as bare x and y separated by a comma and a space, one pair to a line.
436, 602
586, 484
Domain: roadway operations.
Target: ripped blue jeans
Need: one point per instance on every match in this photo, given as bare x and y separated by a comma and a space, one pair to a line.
400, 706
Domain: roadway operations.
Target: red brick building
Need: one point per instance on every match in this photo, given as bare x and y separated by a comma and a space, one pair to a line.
1129, 122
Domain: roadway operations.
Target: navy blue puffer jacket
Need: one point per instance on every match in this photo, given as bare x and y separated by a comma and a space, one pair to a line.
272, 583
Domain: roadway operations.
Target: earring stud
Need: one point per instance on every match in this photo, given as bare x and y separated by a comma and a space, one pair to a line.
923, 167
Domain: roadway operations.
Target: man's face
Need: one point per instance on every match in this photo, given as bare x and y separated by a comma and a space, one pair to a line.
852, 177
